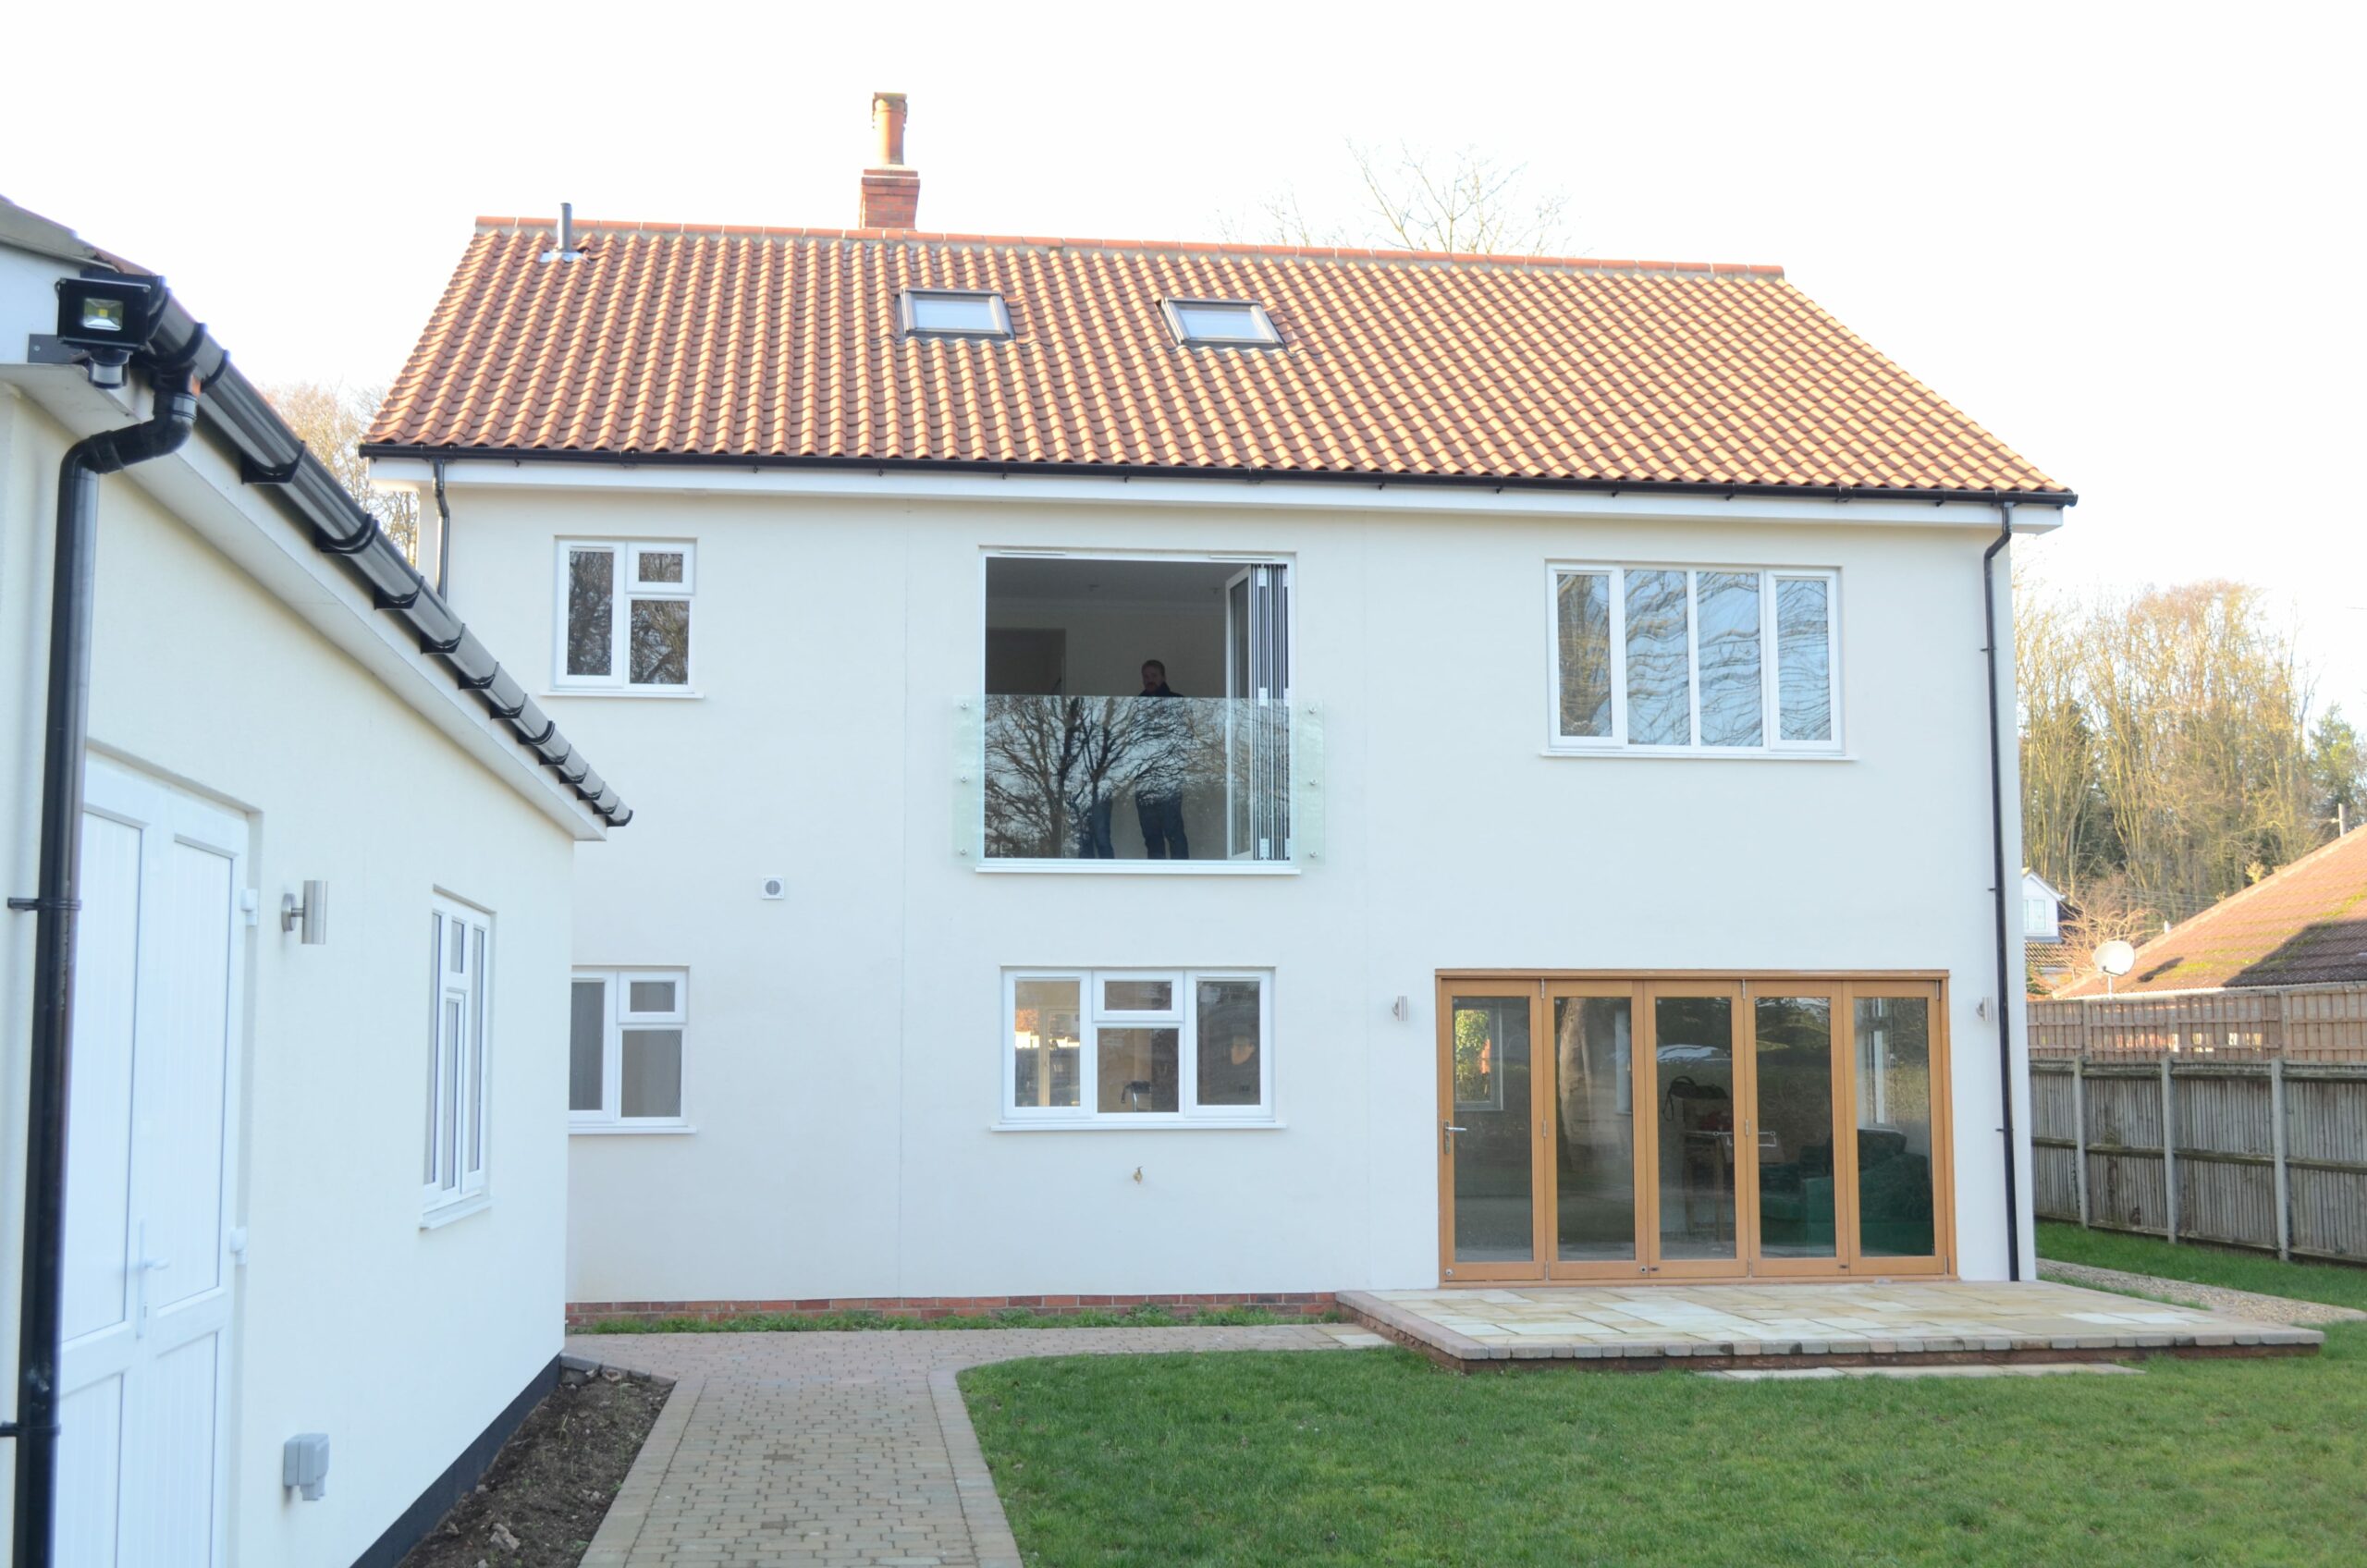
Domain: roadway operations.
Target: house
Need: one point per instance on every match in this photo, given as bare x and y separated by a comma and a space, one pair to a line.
2304, 923
1570, 850
2047, 956
296, 1010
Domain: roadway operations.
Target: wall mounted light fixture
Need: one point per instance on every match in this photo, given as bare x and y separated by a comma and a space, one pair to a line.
309, 914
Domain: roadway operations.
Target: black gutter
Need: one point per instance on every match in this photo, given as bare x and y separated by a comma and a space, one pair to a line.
2005, 934
54, 906
235, 415
1236, 475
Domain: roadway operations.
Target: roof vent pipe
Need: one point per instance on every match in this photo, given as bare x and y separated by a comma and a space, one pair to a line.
564, 251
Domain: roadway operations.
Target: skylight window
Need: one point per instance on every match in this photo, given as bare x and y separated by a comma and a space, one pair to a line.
948, 313
1234, 323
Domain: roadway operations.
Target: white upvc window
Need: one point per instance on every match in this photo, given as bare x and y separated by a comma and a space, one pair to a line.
1708, 661
624, 1056
458, 1145
624, 615
1137, 1046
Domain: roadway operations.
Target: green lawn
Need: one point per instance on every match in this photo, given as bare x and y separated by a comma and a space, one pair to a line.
2334, 1283
1378, 1457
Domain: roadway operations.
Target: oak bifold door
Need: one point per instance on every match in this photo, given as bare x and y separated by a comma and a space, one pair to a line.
1739, 1128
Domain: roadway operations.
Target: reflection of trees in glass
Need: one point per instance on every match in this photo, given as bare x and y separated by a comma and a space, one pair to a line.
591, 600
1583, 601
661, 642
1729, 644
1660, 700
1803, 655
1049, 760
1475, 1057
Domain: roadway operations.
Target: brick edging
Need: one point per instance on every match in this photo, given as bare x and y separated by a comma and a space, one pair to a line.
1282, 1304
973, 1483
628, 1513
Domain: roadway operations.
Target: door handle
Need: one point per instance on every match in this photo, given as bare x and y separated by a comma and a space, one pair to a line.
1447, 1129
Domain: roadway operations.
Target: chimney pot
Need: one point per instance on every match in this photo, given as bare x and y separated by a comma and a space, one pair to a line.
888, 120
891, 190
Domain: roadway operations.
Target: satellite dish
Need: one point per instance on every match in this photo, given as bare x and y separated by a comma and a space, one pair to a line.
2116, 959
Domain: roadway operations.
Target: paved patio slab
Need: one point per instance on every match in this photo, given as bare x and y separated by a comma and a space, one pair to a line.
1708, 1327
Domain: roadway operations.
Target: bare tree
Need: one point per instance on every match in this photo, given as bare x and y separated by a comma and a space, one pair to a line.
2165, 754
331, 420
1419, 199
1466, 201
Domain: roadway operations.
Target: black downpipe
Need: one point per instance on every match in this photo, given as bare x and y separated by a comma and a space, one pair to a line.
54, 907
2005, 934
443, 537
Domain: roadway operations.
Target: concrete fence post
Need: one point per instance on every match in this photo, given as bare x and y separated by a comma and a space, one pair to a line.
2079, 1125
2276, 1154
2169, 1156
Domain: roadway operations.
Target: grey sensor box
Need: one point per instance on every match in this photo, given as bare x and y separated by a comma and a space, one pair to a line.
304, 1465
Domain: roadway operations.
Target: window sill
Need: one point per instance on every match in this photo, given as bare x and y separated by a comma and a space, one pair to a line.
630, 1130
452, 1213
1694, 753
1118, 1125
1143, 867
641, 693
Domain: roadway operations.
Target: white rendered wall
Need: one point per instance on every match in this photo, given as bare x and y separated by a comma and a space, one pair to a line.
402, 1344
842, 1066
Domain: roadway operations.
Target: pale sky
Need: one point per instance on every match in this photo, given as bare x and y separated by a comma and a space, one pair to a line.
2119, 235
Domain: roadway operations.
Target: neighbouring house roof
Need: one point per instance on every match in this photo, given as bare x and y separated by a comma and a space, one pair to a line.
2306, 924
769, 345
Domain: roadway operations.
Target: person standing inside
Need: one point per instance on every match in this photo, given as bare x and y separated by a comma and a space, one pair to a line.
1158, 787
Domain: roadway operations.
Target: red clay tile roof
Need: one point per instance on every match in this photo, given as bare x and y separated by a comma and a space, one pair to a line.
2305, 925
781, 345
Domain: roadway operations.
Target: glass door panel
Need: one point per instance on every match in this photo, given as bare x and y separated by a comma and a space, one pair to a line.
1798, 1170
1897, 1122
1596, 1141
1489, 1137
1698, 1176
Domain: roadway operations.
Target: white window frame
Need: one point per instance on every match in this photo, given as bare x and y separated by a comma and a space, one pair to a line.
1092, 1018
1770, 656
459, 1063
616, 1017
626, 587
1263, 333
909, 325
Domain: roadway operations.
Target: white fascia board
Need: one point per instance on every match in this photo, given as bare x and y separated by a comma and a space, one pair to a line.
200, 487
1275, 493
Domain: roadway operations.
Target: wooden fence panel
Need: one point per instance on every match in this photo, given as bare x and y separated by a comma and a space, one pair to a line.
2125, 1192
2232, 1165
2329, 1213
2232, 1201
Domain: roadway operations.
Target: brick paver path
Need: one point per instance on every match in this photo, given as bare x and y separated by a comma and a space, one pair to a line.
834, 1449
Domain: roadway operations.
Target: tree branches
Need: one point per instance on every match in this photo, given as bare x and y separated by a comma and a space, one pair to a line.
1419, 199
331, 420
2166, 759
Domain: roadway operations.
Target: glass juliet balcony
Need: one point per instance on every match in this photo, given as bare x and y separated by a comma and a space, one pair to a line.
1076, 779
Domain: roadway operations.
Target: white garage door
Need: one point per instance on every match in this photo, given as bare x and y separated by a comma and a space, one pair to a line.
149, 1170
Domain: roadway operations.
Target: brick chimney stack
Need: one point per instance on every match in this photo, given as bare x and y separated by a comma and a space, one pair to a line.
891, 193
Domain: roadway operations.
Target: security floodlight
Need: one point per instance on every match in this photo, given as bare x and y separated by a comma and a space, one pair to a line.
108, 319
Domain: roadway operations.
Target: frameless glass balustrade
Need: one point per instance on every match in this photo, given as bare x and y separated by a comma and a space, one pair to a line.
1133, 779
